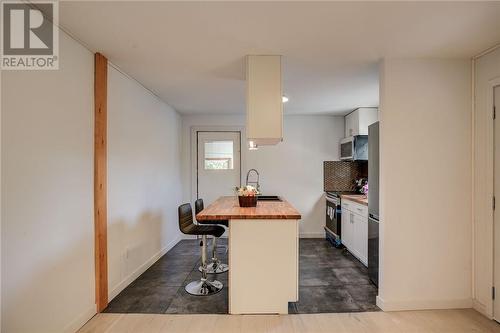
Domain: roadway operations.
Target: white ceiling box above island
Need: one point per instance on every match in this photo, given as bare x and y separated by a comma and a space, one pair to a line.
264, 100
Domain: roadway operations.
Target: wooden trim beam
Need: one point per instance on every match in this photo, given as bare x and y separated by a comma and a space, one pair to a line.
100, 180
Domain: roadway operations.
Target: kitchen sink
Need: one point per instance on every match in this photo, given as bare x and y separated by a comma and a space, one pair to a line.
268, 198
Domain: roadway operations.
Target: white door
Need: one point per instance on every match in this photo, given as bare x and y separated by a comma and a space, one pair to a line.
356, 237
347, 229
343, 225
360, 246
218, 165
496, 212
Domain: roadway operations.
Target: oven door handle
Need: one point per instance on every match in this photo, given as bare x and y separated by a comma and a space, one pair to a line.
332, 201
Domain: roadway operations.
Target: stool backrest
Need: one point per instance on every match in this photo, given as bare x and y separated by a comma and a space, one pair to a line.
185, 217
198, 206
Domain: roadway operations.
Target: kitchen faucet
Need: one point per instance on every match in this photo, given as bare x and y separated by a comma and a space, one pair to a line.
257, 185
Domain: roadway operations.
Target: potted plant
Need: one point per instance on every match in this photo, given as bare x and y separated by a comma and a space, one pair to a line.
247, 196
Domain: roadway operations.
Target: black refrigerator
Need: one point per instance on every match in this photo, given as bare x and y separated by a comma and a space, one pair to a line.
373, 202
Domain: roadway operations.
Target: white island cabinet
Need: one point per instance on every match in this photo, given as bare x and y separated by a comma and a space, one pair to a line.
354, 232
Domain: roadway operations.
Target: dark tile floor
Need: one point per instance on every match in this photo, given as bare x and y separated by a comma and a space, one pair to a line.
331, 280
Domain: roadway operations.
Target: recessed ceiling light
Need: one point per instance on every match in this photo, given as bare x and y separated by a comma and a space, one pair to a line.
284, 99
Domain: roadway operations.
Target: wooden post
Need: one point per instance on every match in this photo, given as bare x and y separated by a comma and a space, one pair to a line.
100, 180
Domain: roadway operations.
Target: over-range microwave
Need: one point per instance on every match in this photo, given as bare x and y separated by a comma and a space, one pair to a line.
354, 148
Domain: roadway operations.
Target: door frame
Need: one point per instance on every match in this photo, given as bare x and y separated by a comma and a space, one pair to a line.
493, 85
194, 152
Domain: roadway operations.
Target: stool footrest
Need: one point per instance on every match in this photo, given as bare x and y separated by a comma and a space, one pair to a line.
204, 287
215, 268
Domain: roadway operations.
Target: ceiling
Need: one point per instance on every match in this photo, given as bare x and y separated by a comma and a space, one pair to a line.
191, 54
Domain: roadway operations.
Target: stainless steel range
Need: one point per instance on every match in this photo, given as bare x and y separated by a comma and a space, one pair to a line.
333, 231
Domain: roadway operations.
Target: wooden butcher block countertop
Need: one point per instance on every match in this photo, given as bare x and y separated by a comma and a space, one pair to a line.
359, 198
227, 208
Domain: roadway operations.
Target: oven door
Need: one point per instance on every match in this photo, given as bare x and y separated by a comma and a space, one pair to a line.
332, 217
347, 149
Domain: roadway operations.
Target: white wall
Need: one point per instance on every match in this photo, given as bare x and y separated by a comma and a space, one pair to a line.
47, 189
144, 179
487, 68
292, 169
47, 195
425, 184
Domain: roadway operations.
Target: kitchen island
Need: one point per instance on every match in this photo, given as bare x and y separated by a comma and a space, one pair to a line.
263, 254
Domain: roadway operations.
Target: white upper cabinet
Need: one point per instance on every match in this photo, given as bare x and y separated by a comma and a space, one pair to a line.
357, 122
264, 99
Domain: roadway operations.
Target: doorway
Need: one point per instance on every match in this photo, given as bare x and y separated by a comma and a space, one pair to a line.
496, 193
218, 164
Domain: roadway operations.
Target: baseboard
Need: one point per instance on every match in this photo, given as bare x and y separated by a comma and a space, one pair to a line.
83, 318
320, 234
183, 236
224, 236
481, 308
380, 302
423, 304
141, 269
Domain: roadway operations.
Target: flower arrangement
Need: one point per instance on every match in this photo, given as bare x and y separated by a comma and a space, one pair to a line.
247, 191
247, 196
364, 189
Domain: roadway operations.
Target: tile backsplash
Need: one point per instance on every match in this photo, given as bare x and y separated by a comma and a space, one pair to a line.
340, 175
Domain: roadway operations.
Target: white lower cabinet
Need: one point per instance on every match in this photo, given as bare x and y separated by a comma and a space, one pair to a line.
360, 243
346, 231
354, 233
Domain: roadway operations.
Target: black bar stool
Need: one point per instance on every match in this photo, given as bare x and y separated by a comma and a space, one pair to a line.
216, 266
202, 287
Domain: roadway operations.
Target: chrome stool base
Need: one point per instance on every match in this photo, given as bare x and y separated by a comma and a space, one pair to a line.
203, 287
216, 268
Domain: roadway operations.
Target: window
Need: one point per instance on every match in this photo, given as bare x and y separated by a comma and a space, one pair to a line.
219, 155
